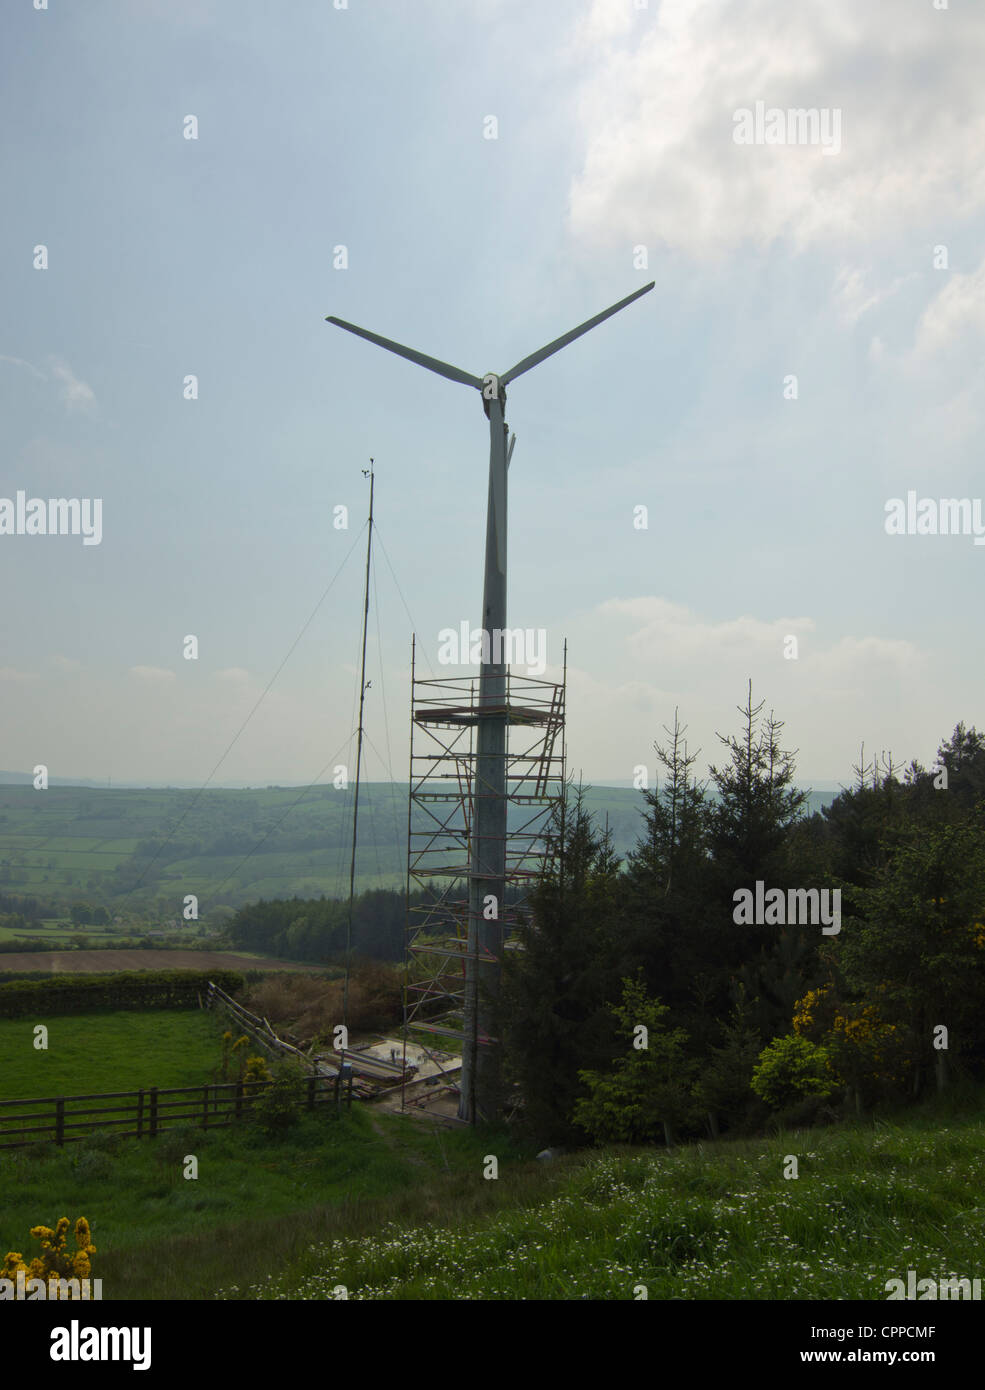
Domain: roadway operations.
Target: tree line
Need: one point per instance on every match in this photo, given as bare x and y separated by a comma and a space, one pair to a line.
641, 1007
315, 929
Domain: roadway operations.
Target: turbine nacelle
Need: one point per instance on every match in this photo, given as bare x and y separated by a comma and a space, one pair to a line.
493, 390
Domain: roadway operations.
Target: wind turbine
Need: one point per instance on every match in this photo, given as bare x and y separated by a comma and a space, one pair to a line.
479, 1096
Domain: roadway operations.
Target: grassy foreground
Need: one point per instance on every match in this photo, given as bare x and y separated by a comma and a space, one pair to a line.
393, 1210
255, 1203
871, 1202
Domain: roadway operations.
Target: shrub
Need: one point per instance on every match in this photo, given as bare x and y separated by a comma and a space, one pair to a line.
866, 1052
646, 1090
790, 1069
54, 1260
92, 1166
278, 1107
41, 1149
313, 1004
257, 1070
143, 989
105, 1142
173, 1144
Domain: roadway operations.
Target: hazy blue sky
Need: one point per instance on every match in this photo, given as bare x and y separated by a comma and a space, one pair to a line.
365, 127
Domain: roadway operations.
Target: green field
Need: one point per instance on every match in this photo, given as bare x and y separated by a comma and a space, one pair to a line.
147, 848
226, 846
114, 1051
55, 934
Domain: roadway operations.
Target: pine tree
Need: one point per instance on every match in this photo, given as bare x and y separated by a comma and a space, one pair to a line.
551, 1015
646, 1089
757, 803
723, 1088
666, 878
751, 827
917, 946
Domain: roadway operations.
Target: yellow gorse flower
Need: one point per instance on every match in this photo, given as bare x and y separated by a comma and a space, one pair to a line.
54, 1262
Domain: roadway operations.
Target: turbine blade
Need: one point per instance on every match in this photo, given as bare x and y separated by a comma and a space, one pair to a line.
432, 363
559, 343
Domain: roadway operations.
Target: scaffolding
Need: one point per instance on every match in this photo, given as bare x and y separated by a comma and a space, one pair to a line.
445, 714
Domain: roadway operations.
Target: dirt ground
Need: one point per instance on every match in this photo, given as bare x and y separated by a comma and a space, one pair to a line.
424, 1102
106, 962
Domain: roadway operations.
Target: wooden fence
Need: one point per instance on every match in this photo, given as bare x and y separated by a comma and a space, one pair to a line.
144, 1113
259, 1027
213, 1105
371, 1073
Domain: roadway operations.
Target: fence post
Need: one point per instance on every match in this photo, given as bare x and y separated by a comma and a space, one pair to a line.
140, 1113
153, 1112
205, 1106
312, 1082
60, 1121
239, 1099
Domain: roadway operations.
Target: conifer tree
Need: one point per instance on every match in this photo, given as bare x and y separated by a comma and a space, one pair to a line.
917, 944
646, 1089
551, 1015
666, 878
751, 825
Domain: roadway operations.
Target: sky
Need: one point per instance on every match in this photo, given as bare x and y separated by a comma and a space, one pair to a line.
191, 186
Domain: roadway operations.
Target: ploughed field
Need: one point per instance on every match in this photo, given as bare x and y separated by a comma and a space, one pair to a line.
104, 962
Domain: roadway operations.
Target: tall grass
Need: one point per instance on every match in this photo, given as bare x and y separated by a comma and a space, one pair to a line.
708, 1222
391, 1209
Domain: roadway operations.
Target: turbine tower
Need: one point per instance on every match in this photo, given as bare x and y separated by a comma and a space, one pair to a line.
480, 1086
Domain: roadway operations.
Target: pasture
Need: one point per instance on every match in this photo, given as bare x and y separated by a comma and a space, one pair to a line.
121, 1050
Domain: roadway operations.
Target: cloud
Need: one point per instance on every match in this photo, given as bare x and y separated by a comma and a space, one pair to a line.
660, 88
854, 297
19, 362
953, 324
152, 675
935, 372
649, 655
75, 393
672, 634
236, 675
9, 673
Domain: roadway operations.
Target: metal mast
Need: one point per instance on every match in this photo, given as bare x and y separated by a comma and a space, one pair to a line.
480, 1089
359, 753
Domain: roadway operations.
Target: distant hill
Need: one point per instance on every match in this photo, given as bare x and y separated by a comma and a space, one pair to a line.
150, 846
